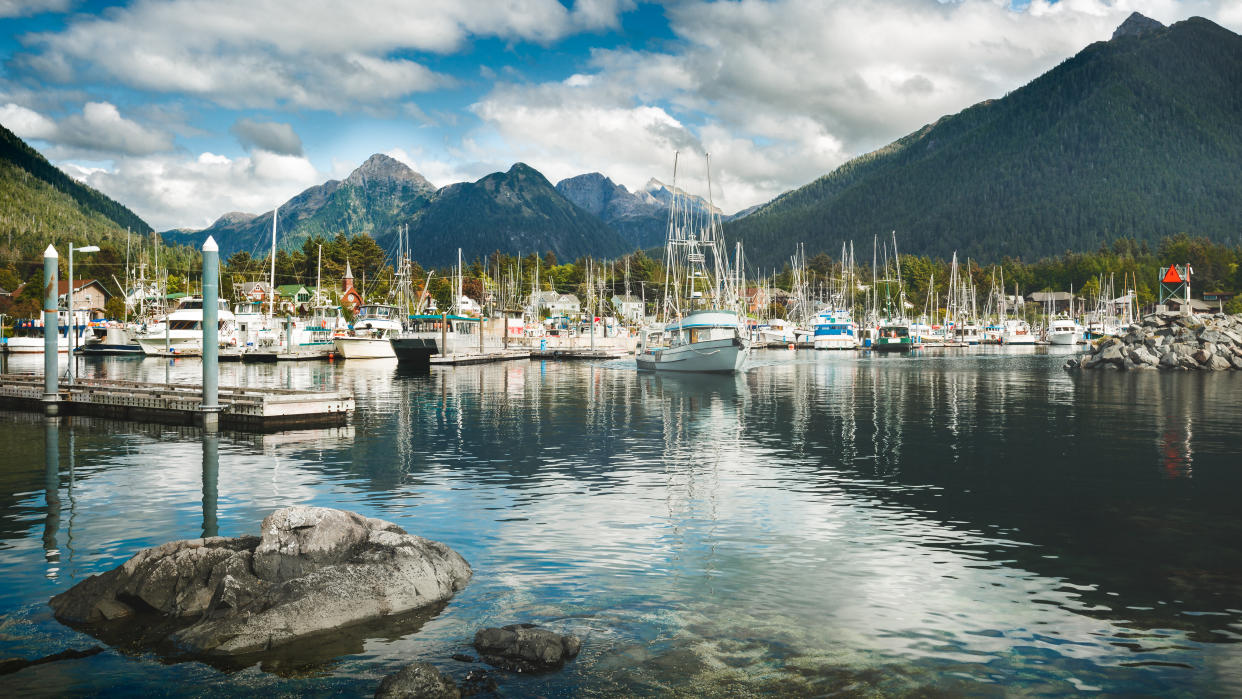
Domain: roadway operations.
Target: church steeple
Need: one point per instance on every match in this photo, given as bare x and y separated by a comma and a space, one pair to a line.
349, 295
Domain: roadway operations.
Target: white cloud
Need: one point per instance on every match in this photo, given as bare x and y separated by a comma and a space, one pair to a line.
99, 130
781, 92
301, 53
271, 136
26, 123
172, 191
27, 8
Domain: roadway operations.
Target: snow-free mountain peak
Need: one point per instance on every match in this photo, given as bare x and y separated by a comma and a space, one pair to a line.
1137, 25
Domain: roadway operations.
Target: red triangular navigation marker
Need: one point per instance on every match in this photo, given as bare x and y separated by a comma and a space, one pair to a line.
1171, 276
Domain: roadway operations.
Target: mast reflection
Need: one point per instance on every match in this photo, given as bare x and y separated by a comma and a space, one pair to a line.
51, 489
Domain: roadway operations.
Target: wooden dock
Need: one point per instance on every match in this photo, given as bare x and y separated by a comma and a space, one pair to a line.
245, 409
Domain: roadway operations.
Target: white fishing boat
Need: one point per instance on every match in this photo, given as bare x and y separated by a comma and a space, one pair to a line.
182, 330
703, 331
1017, 332
372, 333
703, 341
778, 332
968, 334
1063, 331
28, 333
835, 329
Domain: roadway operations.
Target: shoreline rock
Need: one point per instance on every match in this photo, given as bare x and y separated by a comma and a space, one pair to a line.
417, 681
1170, 342
312, 570
525, 648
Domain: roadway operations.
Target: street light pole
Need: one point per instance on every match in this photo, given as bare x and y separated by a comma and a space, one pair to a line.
69, 302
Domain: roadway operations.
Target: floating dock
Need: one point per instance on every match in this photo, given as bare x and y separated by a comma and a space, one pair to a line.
244, 409
299, 355
573, 353
463, 358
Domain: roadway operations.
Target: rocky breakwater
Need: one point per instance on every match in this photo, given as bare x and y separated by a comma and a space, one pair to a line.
1170, 341
312, 570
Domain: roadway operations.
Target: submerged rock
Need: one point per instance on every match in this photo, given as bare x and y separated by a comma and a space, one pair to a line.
478, 682
313, 570
417, 681
10, 665
525, 648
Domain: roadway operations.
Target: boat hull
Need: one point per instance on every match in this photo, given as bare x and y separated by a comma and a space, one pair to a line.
723, 356
836, 342
1019, 340
414, 349
364, 348
130, 348
1063, 338
33, 345
154, 346
892, 344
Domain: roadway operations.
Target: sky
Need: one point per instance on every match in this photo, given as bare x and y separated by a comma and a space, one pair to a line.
184, 110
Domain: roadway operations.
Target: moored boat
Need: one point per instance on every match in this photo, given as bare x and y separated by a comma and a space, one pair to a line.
182, 330
28, 334
1017, 332
372, 333
893, 336
835, 329
1063, 331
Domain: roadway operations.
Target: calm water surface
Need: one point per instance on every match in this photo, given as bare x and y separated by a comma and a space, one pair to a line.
979, 523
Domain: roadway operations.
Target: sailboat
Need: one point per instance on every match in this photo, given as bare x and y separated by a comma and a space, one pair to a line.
702, 331
893, 331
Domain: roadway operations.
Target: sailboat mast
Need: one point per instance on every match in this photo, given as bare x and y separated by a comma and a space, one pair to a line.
271, 292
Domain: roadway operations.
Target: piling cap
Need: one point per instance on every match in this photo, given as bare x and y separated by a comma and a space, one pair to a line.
51, 252
210, 245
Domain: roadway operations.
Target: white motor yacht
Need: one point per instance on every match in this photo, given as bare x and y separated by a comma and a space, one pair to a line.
182, 330
371, 334
1063, 331
1017, 332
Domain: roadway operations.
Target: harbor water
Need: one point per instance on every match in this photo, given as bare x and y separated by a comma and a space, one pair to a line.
957, 521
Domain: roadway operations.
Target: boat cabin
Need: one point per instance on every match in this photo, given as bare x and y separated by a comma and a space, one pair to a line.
894, 331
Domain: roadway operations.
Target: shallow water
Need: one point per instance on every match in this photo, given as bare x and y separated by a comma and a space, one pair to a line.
957, 522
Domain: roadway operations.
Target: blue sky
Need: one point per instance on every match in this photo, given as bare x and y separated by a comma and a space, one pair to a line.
187, 109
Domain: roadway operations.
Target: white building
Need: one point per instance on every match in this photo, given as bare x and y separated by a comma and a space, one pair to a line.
556, 304
630, 307
468, 306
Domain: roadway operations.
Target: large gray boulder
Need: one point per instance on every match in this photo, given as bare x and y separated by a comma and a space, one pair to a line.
1112, 352
313, 569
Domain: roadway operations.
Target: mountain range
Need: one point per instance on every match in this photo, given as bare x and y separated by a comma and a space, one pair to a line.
517, 211
1134, 137
640, 217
